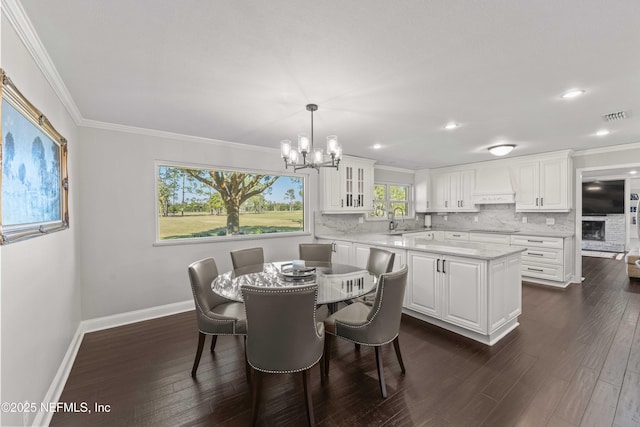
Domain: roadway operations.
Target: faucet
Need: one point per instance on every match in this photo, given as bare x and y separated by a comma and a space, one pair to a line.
393, 225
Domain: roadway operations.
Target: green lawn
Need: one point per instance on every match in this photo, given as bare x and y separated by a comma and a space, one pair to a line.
203, 225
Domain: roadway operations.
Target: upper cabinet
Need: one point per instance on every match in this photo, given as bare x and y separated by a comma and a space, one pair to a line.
348, 189
422, 185
544, 184
452, 191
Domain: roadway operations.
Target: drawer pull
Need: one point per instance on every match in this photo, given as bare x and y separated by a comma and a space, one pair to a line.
535, 241
455, 235
533, 253
536, 269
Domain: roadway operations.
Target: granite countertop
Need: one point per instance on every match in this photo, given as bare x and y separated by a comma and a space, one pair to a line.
472, 250
545, 233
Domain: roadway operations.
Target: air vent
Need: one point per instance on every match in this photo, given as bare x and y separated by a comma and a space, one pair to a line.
618, 115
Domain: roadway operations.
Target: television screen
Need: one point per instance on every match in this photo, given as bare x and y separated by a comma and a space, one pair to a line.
603, 197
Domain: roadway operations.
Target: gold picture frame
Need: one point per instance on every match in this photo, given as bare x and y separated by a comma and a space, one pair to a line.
34, 183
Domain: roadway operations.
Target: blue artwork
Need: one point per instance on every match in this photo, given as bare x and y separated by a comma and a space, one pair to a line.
30, 172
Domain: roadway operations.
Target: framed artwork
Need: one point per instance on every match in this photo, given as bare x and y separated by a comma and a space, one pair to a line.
34, 182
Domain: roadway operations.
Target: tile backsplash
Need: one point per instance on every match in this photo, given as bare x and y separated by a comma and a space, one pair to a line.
489, 217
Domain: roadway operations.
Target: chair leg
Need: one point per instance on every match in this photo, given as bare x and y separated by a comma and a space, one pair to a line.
214, 339
327, 354
256, 380
307, 397
196, 362
396, 346
247, 367
322, 375
357, 346
383, 388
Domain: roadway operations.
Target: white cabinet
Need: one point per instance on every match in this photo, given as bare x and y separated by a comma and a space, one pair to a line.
341, 251
547, 260
449, 288
348, 189
424, 293
453, 191
360, 255
478, 298
544, 184
422, 186
464, 293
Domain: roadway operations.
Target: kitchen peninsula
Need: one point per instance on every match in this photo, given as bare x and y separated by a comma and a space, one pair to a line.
473, 289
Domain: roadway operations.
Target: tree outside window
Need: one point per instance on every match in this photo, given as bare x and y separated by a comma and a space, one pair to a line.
197, 203
390, 197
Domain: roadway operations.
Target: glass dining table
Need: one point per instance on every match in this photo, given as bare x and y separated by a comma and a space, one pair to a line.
336, 282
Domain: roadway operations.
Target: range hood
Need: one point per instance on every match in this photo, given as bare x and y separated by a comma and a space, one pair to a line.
493, 186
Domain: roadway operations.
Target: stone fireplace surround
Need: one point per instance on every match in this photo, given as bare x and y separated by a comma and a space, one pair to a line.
610, 238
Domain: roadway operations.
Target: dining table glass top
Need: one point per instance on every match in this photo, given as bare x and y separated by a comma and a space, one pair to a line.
336, 282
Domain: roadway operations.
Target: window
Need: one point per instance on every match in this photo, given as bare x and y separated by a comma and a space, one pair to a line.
390, 198
196, 203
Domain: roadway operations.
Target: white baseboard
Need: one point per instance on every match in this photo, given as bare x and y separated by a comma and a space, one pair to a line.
122, 319
92, 325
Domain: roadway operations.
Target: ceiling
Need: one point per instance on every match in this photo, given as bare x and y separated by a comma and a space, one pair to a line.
382, 72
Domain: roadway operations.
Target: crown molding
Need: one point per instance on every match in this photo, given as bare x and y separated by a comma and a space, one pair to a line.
95, 124
602, 150
394, 169
16, 15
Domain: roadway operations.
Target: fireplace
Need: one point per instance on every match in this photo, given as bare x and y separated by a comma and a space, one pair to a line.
593, 230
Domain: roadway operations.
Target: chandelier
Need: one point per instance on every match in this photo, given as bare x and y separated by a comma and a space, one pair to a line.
306, 156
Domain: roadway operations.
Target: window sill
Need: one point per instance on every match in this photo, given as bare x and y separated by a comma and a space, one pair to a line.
226, 239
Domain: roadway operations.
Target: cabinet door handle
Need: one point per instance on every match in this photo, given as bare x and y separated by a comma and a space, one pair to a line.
541, 201
438, 265
533, 253
443, 270
446, 203
535, 269
342, 203
462, 203
333, 246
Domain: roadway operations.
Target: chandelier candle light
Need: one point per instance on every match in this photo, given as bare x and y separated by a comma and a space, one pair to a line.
311, 157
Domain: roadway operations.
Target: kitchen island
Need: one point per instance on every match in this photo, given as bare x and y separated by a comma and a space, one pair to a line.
471, 289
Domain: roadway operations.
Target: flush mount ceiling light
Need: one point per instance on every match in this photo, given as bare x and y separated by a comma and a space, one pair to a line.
377, 146
572, 93
603, 132
451, 125
502, 149
291, 156
633, 172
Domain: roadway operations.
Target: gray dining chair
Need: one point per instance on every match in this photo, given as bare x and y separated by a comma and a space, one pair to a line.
215, 314
380, 261
246, 257
375, 325
316, 252
282, 336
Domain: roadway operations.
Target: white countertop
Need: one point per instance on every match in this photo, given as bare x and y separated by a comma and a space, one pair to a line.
472, 250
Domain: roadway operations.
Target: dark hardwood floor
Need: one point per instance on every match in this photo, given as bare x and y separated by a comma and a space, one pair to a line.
574, 360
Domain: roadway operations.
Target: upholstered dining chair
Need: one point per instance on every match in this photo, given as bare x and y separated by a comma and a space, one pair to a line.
282, 336
245, 257
216, 315
380, 261
316, 252
375, 325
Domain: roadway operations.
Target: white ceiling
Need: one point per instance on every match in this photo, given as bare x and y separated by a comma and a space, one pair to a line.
382, 71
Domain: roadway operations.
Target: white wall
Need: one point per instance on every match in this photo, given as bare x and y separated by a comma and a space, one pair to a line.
122, 270
39, 277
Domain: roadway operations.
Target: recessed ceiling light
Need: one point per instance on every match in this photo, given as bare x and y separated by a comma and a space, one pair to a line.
603, 132
572, 93
377, 146
451, 125
501, 150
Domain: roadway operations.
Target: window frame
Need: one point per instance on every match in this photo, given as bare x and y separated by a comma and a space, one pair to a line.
411, 214
306, 231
